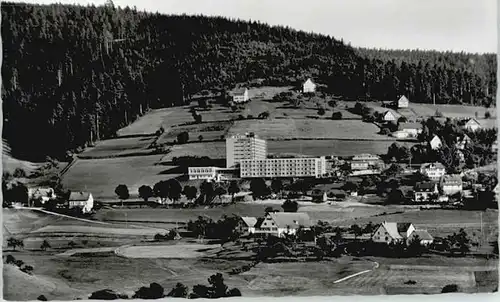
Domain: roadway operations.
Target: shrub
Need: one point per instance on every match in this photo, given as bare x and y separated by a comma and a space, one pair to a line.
154, 291
179, 291
19, 173
41, 298
438, 113
321, 111
450, 288
337, 115
487, 115
105, 294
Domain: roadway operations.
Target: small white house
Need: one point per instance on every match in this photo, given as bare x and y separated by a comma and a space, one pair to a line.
413, 129
435, 143
451, 184
403, 102
308, 86
389, 116
472, 125
240, 95
82, 200
433, 171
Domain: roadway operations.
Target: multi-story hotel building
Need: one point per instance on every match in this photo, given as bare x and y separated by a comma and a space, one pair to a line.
283, 167
244, 147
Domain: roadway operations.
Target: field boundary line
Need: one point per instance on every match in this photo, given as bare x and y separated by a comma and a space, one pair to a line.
62, 215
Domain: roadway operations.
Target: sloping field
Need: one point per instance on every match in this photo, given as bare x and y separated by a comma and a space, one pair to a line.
213, 150
153, 120
209, 131
119, 147
452, 111
309, 128
175, 251
101, 176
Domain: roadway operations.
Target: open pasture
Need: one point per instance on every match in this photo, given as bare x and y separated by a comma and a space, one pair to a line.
210, 131
213, 150
153, 120
171, 251
119, 147
308, 129
329, 147
452, 111
101, 176
266, 92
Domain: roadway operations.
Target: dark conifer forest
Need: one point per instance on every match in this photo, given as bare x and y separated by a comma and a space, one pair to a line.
74, 74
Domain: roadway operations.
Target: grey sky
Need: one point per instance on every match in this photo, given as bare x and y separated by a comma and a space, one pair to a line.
458, 25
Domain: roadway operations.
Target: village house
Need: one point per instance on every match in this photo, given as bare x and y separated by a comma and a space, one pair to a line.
240, 95
435, 143
247, 225
433, 171
388, 232
470, 124
371, 159
318, 195
389, 116
423, 236
403, 102
308, 86
424, 191
41, 194
451, 184
81, 200
359, 165
412, 129
463, 141
400, 134
281, 223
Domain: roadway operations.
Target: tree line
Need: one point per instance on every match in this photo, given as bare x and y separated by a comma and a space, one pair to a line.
73, 75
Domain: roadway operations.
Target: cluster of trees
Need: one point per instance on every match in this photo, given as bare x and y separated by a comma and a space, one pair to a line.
131, 59
9, 259
225, 229
456, 243
216, 289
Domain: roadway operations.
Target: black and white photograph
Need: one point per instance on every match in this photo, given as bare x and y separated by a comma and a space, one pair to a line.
248, 149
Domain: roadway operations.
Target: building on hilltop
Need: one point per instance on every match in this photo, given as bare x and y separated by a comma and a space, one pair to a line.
281, 223
244, 147
81, 200
240, 95
308, 86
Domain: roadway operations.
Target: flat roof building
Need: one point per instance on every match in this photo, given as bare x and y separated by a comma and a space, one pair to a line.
283, 167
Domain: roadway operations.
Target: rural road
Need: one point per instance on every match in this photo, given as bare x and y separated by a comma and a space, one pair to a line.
62, 215
357, 274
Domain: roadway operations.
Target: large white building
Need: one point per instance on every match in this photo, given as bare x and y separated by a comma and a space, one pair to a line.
212, 173
244, 147
283, 167
433, 171
308, 86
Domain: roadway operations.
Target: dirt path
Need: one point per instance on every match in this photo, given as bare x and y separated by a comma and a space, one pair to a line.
357, 274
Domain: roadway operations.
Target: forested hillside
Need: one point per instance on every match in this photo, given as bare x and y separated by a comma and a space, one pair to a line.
75, 74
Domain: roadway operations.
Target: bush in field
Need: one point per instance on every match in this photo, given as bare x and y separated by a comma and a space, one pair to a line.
183, 137
233, 189
290, 206
106, 294
190, 192
321, 111
487, 115
28, 269
45, 245
450, 288
179, 291
337, 115
217, 289
264, 115
154, 291
14, 243
41, 298
259, 188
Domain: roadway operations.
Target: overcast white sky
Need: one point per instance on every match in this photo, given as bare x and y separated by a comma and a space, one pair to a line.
458, 25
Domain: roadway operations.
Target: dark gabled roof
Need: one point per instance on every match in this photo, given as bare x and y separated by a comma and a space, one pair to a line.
410, 126
422, 235
424, 187
291, 220
403, 226
249, 221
